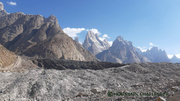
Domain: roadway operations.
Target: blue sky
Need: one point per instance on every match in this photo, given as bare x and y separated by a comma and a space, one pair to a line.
144, 22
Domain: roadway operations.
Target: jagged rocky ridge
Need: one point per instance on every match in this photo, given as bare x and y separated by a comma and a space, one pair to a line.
155, 55
93, 43
121, 51
36, 36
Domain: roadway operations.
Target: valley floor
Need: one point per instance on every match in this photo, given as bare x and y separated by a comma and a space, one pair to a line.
37, 84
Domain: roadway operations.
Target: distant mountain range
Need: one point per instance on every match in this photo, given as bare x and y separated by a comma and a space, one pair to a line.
123, 51
120, 52
157, 55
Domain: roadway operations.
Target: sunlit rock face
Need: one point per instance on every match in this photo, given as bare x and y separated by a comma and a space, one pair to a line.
37, 36
7, 58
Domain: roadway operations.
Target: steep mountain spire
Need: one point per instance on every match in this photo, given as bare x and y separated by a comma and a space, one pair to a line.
93, 43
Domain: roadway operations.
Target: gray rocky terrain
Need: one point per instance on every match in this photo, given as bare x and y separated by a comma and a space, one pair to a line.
37, 84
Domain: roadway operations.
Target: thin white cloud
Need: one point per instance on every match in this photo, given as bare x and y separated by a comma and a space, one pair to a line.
94, 30
169, 56
151, 44
72, 32
143, 49
150, 48
110, 42
102, 39
105, 36
178, 55
12, 3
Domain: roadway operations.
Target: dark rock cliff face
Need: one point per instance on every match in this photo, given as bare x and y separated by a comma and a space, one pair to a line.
36, 36
121, 52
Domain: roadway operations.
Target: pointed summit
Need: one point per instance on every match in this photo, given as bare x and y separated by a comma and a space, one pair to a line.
54, 20
154, 49
51, 18
119, 38
90, 34
120, 41
174, 56
93, 43
175, 59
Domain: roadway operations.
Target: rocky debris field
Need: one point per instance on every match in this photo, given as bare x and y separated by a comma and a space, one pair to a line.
132, 82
